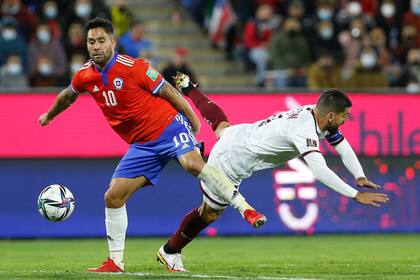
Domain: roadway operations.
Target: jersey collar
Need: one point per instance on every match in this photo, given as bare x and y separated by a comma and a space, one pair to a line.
317, 129
107, 67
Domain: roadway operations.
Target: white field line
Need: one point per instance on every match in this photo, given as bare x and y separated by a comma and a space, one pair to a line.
186, 275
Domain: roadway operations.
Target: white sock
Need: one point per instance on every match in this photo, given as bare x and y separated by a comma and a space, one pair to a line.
116, 226
218, 183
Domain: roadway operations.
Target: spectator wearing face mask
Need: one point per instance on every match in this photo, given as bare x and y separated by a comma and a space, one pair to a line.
325, 11
44, 46
12, 74
27, 21
289, 52
410, 77
325, 40
350, 40
388, 17
11, 41
49, 13
84, 10
324, 73
367, 73
44, 75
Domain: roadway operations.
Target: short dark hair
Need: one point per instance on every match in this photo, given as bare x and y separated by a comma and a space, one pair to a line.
99, 22
333, 100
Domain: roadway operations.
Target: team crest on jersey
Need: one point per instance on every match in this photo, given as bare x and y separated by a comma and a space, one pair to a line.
311, 142
118, 83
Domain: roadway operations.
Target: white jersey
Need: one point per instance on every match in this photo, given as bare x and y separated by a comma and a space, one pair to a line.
245, 148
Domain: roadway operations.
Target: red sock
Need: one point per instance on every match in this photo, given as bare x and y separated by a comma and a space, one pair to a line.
189, 228
210, 111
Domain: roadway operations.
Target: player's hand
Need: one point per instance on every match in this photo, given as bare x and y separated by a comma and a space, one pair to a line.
44, 120
369, 198
363, 182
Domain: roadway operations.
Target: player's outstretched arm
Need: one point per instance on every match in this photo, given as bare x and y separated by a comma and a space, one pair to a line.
352, 163
64, 99
178, 101
319, 168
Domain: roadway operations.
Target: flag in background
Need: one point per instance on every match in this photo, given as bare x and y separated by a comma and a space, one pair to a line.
222, 18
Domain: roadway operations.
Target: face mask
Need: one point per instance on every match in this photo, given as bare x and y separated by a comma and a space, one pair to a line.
415, 7
388, 10
354, 8
50, 12
14, 9
14, 69
368, 60
43, 36
45, 69
74, 67
413, 88
9, 34
325, 14
83, 10
326, 33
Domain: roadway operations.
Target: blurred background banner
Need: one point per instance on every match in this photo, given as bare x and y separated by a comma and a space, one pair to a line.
289, 196
380, 125
80, 151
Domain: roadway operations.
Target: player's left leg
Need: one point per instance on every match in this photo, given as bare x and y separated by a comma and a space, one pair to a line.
210, 111
191, 225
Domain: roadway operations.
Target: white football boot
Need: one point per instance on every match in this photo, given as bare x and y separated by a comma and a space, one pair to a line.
173, 262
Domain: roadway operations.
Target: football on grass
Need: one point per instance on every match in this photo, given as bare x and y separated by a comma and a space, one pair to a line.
56, 203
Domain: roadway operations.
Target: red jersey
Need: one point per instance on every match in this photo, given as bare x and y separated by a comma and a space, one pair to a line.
126, 93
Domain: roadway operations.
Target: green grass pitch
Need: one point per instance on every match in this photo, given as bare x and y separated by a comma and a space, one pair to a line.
268, 258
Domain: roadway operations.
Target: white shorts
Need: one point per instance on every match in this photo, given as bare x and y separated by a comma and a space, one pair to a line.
220, 159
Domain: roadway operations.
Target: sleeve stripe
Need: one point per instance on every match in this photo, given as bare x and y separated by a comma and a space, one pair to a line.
308, 152
157, 88
333, 143
335, 138
73, 90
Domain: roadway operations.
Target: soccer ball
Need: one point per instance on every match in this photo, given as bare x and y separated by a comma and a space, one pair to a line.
56, 203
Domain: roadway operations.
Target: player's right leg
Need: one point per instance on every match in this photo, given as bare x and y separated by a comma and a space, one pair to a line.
210, 111
120, 189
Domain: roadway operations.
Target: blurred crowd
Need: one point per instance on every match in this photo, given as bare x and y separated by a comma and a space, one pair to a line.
320, 43
288, 43
42, 43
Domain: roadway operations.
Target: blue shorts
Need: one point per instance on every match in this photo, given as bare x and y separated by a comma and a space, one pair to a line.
148, 159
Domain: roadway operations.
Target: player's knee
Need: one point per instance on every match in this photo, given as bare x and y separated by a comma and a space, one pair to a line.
209, 214
211, 217
113, 201
194, 166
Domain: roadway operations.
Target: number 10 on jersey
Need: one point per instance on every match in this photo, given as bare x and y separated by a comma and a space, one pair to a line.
110, 99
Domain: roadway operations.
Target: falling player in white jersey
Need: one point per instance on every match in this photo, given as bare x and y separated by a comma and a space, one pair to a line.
245, 148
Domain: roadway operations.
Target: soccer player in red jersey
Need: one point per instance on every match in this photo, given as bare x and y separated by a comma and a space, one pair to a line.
150, 115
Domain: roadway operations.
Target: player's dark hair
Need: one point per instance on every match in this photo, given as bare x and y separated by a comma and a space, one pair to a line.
99, 22
333, 100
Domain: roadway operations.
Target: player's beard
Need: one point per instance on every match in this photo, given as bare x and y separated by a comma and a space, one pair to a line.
333, 126
101, 58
